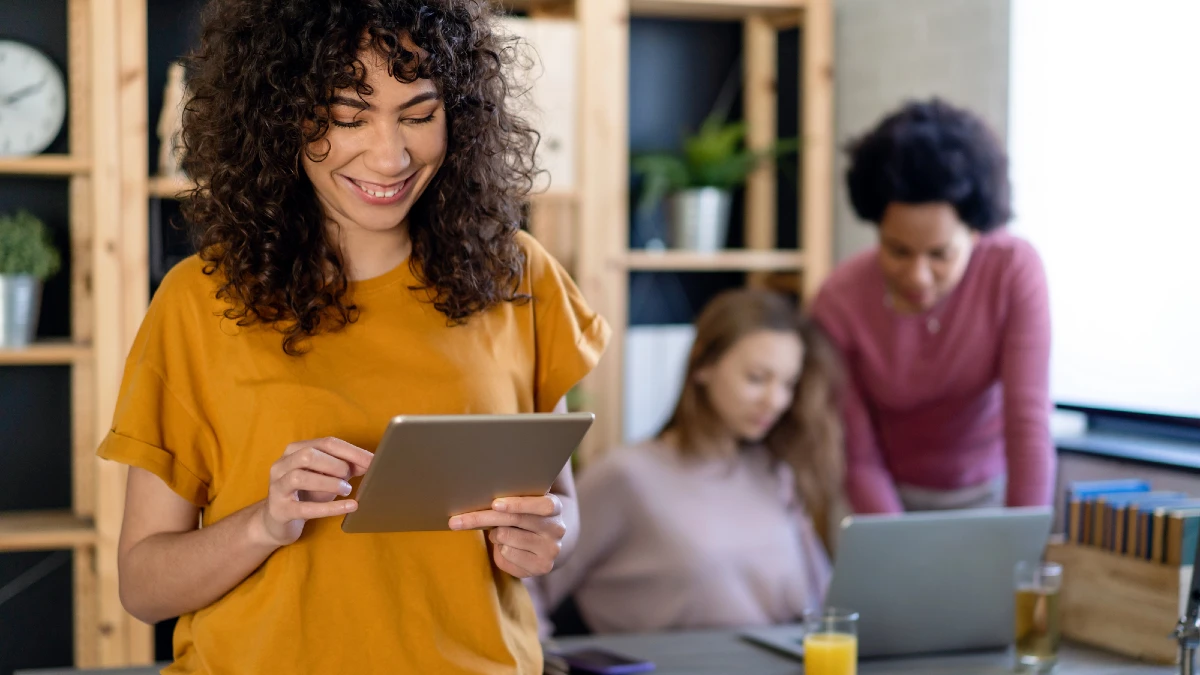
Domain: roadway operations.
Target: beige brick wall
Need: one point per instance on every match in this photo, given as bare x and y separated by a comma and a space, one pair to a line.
892, 50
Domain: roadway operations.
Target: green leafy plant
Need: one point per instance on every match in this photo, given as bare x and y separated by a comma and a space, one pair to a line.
714, 156
26, 247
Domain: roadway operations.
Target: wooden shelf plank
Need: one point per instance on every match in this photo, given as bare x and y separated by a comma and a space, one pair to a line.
168, 187
714, 9
555, 197
44, 530
46, 353
731, 260
723, 10
44, 165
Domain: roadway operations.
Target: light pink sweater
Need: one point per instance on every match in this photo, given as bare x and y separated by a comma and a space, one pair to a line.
668, 544
955, 396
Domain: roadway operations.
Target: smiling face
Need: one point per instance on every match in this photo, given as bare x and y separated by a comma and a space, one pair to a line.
923, 252
752, 384
380, 153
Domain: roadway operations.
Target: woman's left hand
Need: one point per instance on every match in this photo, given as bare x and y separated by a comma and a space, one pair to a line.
526, 532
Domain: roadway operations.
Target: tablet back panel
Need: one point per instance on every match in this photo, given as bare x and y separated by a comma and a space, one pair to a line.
428, 468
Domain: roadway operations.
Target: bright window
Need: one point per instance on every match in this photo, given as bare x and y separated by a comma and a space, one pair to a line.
1104, 137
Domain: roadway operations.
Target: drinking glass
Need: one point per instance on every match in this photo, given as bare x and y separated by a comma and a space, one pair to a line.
831, 642
1038, 623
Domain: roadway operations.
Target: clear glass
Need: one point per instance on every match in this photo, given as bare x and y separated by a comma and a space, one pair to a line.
1038, 621
830, 642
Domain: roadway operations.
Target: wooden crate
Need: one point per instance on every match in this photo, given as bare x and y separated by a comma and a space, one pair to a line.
1121, 604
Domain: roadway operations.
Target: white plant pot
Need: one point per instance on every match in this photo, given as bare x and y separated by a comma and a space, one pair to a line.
699, 219
20, 300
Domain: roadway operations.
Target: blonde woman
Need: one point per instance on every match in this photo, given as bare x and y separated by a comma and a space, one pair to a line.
711, 523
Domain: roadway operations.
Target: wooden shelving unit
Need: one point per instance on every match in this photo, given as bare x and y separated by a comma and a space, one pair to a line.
108, 297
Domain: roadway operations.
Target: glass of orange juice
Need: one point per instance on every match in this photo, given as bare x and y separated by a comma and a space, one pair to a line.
830, 642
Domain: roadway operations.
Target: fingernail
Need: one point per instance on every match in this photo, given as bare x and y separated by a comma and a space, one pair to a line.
351, 505
505, 549
344, 488
455, 523
500, 505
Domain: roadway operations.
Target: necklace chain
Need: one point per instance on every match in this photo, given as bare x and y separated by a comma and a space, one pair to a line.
932, 324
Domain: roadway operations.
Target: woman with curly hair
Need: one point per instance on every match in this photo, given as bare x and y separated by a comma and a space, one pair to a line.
944, 327
360, 176
716, 522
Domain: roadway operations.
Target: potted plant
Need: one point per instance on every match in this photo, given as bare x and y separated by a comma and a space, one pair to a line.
698, 183
27, 258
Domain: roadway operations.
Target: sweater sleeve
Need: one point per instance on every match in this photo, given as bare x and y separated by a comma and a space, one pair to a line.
1025, 377
869, 484
604, 493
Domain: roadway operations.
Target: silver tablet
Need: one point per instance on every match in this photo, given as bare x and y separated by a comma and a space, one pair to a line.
428, 468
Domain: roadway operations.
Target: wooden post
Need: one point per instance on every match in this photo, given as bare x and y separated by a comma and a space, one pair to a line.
83, 418
83, 381
83, 479
552, 221
817, 145
134, 282
135, 170
603, 199
760, 96
109, 318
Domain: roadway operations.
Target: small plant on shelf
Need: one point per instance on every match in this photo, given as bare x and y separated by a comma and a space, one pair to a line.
698, 182
26, 248
27, 258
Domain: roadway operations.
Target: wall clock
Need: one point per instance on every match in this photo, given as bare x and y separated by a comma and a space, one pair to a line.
33, 99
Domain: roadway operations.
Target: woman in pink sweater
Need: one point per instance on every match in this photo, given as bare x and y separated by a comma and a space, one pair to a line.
944, 327
711, 524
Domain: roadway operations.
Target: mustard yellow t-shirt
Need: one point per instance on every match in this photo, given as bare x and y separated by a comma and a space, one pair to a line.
208, 407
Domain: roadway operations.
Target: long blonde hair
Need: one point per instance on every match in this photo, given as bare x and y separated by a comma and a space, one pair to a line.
808, 436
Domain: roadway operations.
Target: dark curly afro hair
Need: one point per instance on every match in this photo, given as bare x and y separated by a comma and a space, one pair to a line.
931, 152
261, 83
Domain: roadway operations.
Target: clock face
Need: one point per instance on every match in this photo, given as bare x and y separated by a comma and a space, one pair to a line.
33, 99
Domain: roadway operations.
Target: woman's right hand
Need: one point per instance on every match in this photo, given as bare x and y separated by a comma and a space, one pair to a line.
305, 481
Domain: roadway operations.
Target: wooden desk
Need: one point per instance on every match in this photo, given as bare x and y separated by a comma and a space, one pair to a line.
724, 653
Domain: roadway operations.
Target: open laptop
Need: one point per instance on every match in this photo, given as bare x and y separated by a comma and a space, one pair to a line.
934, 581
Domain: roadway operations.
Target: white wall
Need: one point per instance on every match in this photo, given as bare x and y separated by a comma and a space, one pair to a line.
655, 361
888, 51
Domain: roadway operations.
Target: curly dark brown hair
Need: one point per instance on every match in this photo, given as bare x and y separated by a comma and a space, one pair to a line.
931, 151
260, 85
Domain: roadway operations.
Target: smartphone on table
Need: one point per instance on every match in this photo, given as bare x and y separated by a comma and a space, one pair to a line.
596, 661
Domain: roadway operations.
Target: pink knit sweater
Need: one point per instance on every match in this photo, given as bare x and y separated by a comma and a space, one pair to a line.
952, 397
